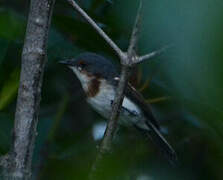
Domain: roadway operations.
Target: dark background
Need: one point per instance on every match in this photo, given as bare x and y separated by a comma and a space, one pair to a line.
188, 79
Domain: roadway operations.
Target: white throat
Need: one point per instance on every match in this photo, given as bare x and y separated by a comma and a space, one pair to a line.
84, 79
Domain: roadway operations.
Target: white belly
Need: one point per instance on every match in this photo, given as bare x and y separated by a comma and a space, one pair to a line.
102, 103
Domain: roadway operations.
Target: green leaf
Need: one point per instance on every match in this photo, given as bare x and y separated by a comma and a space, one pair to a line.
3, 48
12, 25
9, 89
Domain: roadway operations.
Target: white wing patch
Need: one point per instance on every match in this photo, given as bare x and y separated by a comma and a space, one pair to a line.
130, 106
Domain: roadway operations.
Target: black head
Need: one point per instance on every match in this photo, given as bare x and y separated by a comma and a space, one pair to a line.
93, 64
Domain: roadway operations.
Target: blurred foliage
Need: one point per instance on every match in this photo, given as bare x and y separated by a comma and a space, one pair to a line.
9, 89
189, 75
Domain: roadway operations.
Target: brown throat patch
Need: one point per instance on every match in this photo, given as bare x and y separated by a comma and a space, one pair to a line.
93, 87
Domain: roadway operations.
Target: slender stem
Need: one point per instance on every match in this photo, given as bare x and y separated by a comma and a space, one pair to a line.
135, 32
127, 60
152, 54
116, 108
96, 27
106, 143
19, 162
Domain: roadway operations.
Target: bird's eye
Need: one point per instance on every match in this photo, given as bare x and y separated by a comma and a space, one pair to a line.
79, 68
81, 65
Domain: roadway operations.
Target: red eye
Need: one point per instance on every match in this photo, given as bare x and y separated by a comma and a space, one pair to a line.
82, 64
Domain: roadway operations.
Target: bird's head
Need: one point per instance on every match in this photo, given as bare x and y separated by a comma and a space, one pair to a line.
91, 66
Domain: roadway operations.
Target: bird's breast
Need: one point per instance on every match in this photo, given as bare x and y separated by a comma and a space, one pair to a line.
102, 103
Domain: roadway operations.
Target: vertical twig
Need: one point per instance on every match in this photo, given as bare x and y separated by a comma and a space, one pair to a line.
127, 61
135, 34
106, 143
116, 107
18, 166
153, 54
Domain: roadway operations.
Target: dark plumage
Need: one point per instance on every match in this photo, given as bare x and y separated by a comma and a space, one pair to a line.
88, 60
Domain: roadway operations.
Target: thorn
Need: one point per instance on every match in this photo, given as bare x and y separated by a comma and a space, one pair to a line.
153, 54
139, 76
135, 32
157, 100
145, 85
148, 81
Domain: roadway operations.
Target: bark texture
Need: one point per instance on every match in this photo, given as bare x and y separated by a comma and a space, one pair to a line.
34, 55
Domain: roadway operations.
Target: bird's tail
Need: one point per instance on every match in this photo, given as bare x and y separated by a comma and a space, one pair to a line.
158, 139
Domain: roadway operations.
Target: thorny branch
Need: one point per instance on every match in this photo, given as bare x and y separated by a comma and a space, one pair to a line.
122, 55
128, 60
152, 54
106, 143
96, 27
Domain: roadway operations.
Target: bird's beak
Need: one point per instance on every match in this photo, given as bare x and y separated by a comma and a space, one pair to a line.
67, 62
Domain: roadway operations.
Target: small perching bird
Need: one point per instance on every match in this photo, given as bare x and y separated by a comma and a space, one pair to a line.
99, 79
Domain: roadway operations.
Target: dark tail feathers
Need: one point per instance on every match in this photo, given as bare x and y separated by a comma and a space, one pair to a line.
161, 142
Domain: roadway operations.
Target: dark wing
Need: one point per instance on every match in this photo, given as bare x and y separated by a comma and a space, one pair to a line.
138, 99
154, 133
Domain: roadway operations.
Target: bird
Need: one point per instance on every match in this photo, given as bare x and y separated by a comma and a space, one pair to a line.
99, 79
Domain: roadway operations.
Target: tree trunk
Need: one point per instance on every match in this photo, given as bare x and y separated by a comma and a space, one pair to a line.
17, 164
